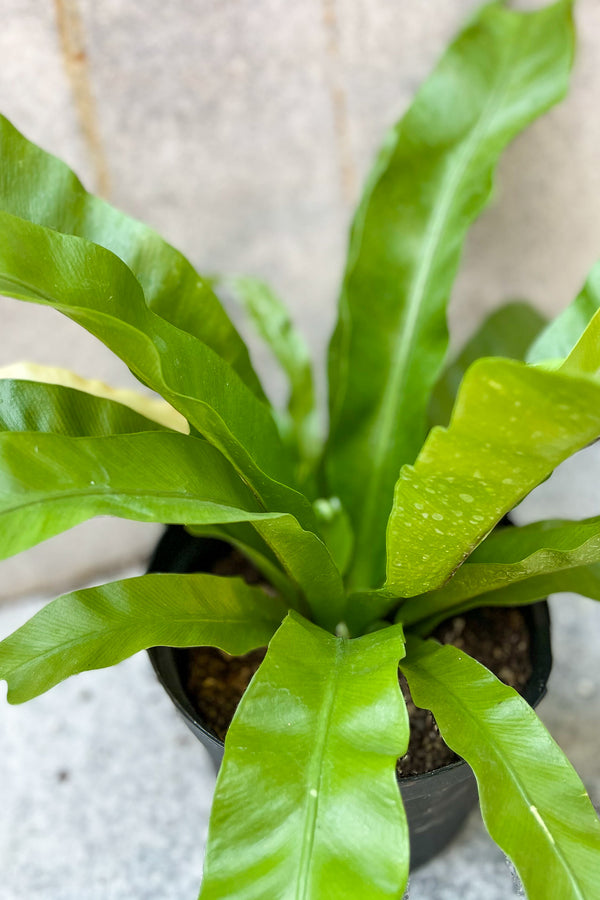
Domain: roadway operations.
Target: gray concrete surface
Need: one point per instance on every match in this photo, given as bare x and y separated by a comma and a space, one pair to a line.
242, 131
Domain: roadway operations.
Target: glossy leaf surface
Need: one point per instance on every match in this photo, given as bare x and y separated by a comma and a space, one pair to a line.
432, 178
49, 482
507, 332
31, 406
513, 566
558, 339
157, 410
511, 426
306, 559
274, 325
532, 801
94, 288
100, 626
317, 735
37, 186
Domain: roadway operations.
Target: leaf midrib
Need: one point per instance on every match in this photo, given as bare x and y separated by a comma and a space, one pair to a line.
314, 776
91, 637
112, 492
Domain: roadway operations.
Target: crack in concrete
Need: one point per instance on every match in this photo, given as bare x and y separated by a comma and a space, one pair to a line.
339, 102
72, 44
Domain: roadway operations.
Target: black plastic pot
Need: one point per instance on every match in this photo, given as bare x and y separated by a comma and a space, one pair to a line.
436, 803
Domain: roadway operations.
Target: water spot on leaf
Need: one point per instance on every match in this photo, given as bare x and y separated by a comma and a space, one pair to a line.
466, 498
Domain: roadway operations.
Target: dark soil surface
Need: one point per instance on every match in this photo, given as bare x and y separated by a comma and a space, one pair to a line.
216, 683
496, 637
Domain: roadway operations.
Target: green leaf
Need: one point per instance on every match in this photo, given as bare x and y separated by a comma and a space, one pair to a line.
508, 332
36, 186
431, 180
584, 358
94, 288
333, 527
31, 406
100, 626
155, 409
49, 482
304, 559
272, 322
244, 538
324, 817
532, 800
336, 530
560, 336
512, 566
512, 424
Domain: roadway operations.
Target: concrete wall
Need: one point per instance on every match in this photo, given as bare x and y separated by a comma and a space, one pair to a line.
242, 131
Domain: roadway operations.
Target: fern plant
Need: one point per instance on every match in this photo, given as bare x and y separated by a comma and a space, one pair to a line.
370, 536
